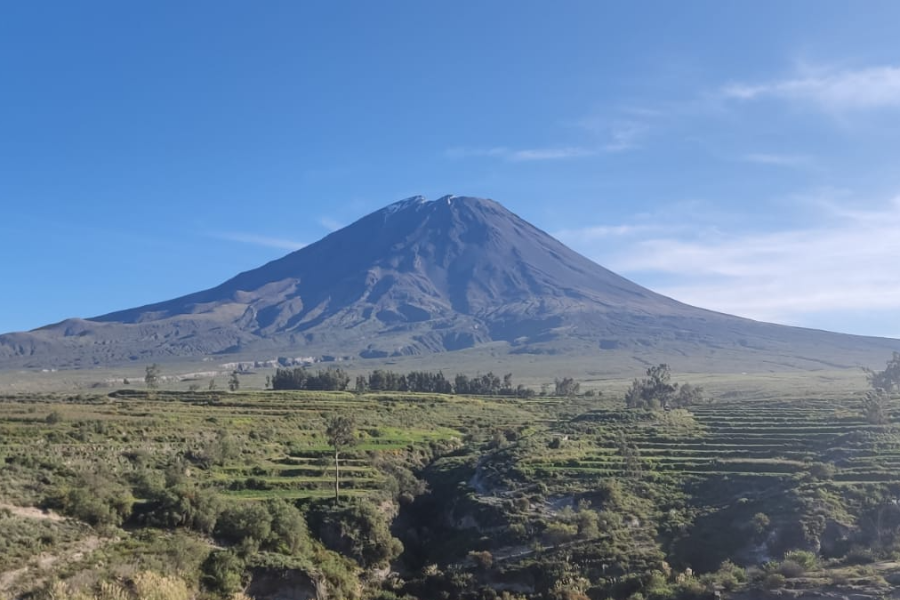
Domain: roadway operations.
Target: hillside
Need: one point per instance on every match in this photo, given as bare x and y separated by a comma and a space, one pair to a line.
421, 277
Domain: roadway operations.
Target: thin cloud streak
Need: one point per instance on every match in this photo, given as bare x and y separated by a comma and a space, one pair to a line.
600, 232
610, 137
330, 224
259, 240
523, 155
794, 161
832, 90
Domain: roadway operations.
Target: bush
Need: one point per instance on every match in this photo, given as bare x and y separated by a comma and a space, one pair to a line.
560, 533
760, 523
807, 560
94, 499
483, 560
357, 529
790, 569
289, 533
859, 556
223, 572
184, 505
588, 524
773, 581
247, 522
822, 471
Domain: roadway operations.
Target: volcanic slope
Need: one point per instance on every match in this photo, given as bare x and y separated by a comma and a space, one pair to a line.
420, 277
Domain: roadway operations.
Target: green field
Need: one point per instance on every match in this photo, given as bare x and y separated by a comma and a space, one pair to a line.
536, 496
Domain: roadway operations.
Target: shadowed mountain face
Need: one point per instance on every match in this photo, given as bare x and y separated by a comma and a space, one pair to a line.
420, 277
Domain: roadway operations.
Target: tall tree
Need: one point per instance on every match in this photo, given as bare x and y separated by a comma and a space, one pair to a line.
341, 434
234, 384
152, 376
887, 380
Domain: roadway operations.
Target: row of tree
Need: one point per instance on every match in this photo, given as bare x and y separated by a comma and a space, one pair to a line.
381, 380
300, 378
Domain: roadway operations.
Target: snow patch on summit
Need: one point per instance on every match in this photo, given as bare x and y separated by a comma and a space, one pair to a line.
413, 201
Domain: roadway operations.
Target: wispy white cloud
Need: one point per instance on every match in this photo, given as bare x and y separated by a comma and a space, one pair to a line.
794, 161
522, 155
259, 240
619, 135
833, 90
330, 224
600, 232
625, 136
845, 262
607, 136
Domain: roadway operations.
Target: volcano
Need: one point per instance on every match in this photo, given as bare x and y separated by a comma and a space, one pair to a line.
420, 277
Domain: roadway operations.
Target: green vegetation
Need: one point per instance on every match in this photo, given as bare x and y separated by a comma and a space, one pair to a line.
210, 495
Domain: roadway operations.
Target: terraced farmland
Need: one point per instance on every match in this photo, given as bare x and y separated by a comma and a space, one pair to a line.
540, 484
274, 441
747, 439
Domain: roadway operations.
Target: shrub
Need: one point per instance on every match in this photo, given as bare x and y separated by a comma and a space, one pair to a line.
859, 556
289, 533
838, 578
820, 470
807, 560
760, 523
95, 500
773, 581
357, 529
184, 505
588, 524
223, 572
559, 533
790, 568
247, 522
483, 559
143, 586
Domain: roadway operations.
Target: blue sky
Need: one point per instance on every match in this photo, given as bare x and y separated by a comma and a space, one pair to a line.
737, 156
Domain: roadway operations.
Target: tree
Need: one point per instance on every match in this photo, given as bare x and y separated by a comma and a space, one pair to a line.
362, 384
875, 407
212, 384
566, 386
234, 384
887, 380
341, 434
688, 395
876, 404
657, 391
152, 376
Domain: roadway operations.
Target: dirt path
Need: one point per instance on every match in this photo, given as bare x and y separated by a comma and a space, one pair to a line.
30, 512
70, 553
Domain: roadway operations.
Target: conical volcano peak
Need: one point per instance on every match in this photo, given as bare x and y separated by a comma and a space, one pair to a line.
419, 202
415, 277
